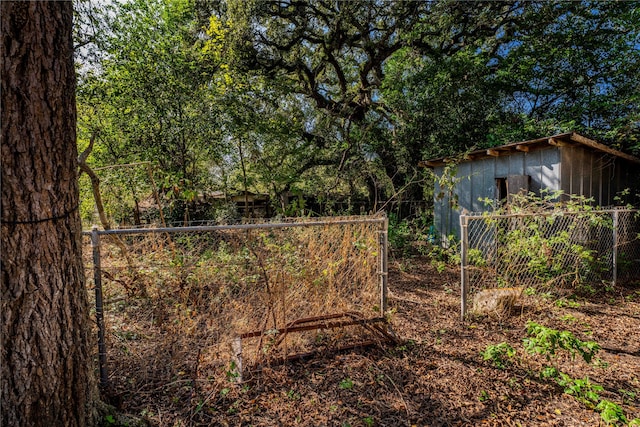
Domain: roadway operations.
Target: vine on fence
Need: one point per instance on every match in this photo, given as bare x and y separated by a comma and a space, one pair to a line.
549, 240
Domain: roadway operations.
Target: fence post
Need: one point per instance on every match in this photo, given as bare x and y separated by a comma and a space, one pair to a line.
464, 274
614, 250
384, 267
97, 281
236, 349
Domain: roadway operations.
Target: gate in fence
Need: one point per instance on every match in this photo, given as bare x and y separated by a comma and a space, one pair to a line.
205, 300
546, 250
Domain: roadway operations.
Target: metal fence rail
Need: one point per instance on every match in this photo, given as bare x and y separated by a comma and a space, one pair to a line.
187, 297
547, 250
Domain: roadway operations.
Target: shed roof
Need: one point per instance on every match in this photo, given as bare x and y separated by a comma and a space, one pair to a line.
563, 139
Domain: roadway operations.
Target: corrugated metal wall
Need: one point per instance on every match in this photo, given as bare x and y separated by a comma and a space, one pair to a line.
596, 175
477, 180
573, 169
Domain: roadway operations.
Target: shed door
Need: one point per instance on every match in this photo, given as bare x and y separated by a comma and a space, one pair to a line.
514, 184
518, 184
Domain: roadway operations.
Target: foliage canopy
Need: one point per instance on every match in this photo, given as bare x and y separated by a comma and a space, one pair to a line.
337, 101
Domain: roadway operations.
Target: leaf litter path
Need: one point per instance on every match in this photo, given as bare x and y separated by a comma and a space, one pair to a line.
436, 377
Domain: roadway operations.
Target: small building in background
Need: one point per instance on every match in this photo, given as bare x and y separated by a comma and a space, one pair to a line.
568, 162
248, 204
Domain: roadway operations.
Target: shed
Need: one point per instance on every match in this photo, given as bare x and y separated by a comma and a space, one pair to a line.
248, 204
568, 162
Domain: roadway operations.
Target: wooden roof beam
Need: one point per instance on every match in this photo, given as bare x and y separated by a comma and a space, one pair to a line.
557, 142
429, 164
523, 148
493, 153
593, 144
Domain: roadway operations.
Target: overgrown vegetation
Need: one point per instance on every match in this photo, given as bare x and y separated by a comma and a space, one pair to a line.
195, 103
192, 294
165, 367
297, 101
500, 355
552, 344
551, 242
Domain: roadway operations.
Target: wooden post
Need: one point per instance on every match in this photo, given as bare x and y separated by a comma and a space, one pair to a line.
236, 348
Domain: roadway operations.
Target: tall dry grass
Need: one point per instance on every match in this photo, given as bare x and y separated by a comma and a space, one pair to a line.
171, 317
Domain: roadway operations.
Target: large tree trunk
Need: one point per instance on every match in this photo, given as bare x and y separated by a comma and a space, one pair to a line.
47, 373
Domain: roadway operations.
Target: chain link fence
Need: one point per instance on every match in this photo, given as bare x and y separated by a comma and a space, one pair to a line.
196, 303
548, 250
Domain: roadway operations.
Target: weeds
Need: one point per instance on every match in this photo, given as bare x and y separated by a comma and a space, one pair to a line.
346, 384
418, 236
611, 413
627, 396
483, 396
582, 389
400, 234
293, 395
447, 253
568, 318
545, 241
567, 303
549, 343
206, 288
499, 354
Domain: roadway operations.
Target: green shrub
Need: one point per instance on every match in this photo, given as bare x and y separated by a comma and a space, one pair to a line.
499, 354
547, 342
611, 413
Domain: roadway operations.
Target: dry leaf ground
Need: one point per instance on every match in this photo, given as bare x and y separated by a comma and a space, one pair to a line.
435, 377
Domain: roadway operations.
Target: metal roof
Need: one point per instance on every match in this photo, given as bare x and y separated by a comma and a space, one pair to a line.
563, 139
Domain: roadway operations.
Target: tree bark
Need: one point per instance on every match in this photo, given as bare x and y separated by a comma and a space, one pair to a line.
46, 363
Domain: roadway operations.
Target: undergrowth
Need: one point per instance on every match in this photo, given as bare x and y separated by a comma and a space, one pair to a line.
181, 300
418, 236
550, 344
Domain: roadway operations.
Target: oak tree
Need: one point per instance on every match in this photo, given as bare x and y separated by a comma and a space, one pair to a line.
46, 363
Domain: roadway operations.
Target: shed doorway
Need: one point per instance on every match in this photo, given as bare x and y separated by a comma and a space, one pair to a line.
508, 186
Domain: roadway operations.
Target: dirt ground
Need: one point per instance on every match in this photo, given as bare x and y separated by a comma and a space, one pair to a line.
435, 377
